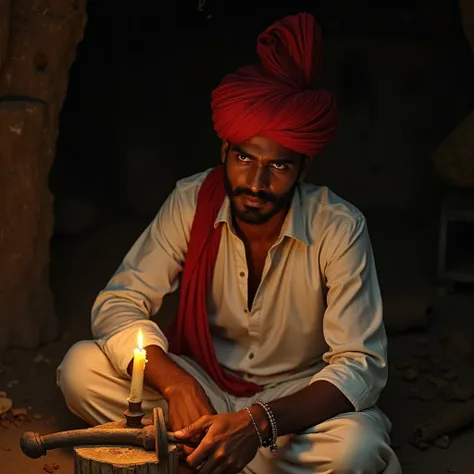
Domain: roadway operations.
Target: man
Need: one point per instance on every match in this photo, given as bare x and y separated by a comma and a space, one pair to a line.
279, 341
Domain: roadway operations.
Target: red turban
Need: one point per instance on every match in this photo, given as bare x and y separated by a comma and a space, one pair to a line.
278, 99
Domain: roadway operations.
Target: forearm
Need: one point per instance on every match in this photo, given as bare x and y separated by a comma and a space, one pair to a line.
308, 407
161, 372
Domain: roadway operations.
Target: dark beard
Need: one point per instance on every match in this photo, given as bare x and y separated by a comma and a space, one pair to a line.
256, 216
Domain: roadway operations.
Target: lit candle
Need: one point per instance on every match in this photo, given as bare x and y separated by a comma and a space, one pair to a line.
139, 361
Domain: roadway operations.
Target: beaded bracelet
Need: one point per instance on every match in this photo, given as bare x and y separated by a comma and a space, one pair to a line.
272, 442
247, 409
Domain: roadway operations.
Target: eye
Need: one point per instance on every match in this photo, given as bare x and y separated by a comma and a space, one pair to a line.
243, 158
280, 166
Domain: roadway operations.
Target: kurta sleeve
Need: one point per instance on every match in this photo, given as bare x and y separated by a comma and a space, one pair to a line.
149, 271
353, 321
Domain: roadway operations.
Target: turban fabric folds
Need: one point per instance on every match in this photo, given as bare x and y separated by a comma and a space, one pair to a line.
278, 98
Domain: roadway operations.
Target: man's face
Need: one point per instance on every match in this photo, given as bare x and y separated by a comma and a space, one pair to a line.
260, 178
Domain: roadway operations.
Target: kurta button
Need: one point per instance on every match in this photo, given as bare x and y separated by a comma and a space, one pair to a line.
242, 274
251, 355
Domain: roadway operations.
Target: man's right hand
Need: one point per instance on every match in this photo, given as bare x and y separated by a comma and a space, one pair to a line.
187, 402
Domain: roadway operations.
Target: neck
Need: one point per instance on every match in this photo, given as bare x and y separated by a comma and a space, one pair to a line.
261, 233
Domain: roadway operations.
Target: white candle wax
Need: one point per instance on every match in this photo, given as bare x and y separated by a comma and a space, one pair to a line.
138, 371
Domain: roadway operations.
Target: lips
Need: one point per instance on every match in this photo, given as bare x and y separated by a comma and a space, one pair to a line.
253, 202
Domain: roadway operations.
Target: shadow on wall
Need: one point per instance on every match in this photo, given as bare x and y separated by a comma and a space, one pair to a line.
137, 116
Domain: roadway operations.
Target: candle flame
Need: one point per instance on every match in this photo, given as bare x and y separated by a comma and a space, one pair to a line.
140, 339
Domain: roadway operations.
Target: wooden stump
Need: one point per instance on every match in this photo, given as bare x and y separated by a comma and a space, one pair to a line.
122, 460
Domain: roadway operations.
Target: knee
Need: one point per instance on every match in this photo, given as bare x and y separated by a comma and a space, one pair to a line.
359, 450
75, 372
355, 444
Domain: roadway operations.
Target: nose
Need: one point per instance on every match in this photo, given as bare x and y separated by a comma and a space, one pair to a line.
258, 178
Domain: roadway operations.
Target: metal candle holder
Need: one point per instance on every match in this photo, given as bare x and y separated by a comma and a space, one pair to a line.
134, 414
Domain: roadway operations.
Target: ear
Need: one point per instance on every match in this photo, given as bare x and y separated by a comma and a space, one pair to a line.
305, 166
225, 148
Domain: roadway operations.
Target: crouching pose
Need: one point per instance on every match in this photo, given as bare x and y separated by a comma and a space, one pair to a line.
278, 353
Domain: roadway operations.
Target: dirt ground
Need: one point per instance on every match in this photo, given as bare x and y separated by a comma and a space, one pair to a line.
82, 265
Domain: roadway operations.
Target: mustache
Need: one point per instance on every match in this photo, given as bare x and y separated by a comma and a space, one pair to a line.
263, 195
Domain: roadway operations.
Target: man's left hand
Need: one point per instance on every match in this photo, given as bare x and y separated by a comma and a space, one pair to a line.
227, 442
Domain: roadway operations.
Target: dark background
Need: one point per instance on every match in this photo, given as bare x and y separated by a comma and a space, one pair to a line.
137, 118
137, 114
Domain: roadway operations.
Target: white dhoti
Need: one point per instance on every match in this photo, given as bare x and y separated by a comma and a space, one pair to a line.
352, 443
